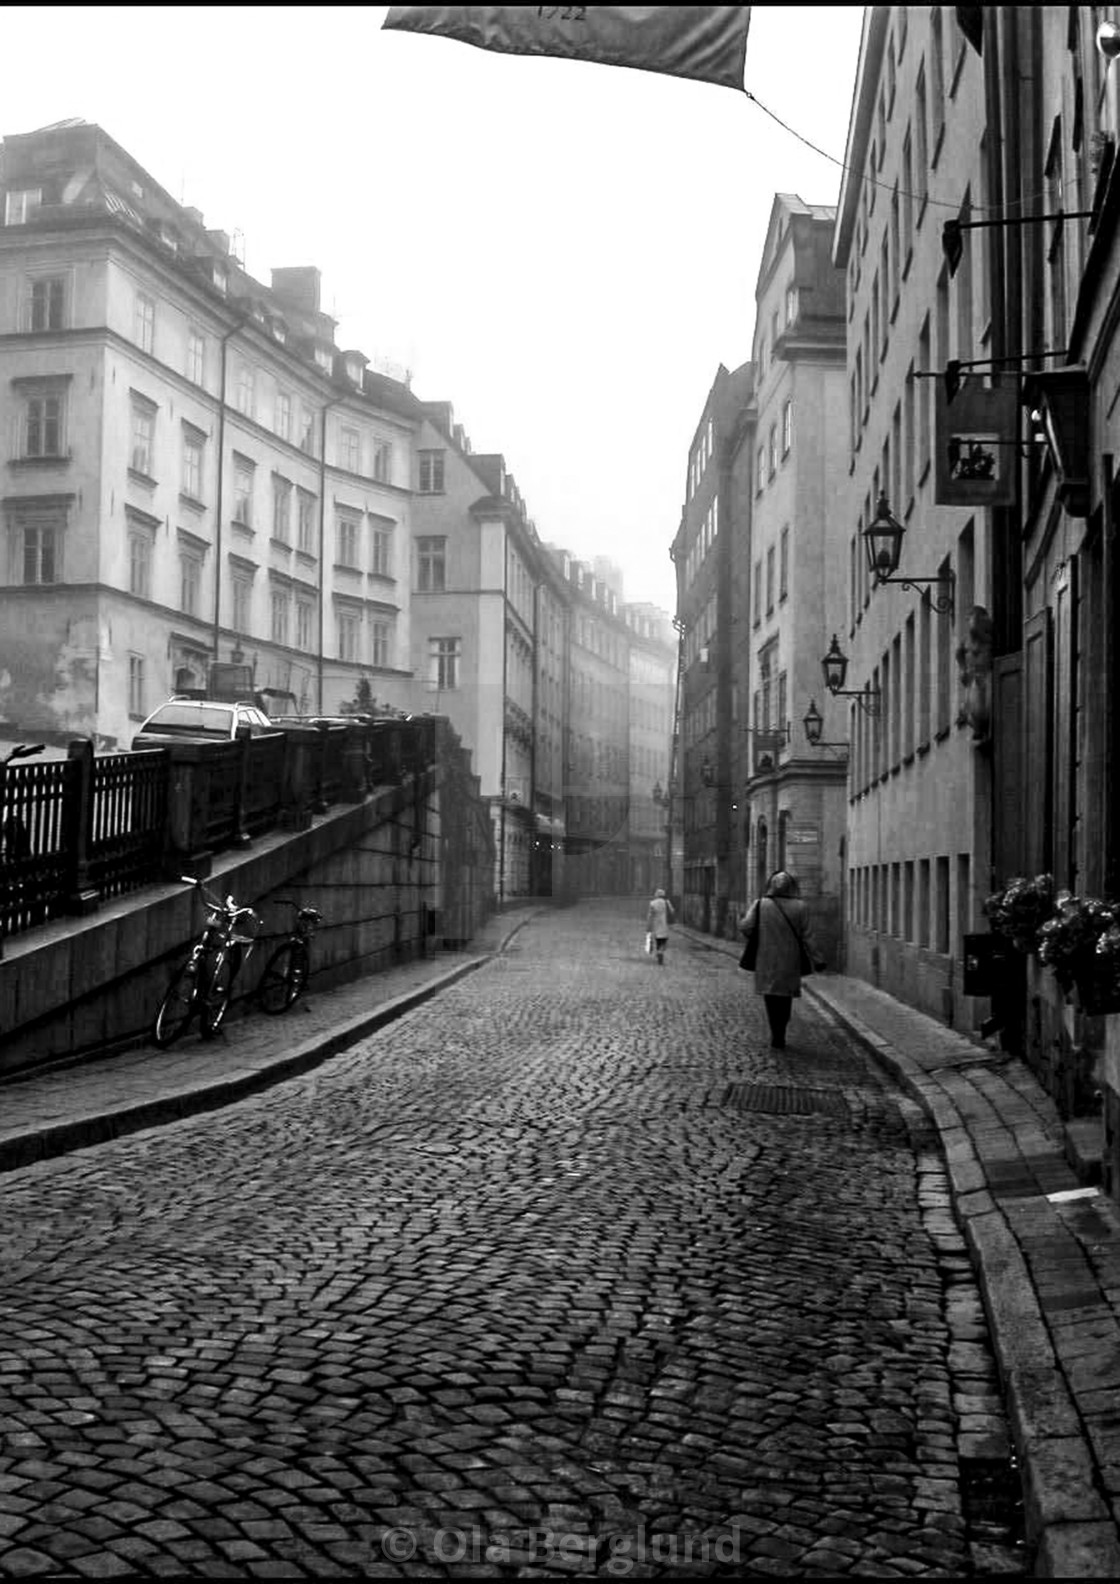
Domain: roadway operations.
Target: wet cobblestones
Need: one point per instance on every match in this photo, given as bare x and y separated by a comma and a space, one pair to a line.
510, 1288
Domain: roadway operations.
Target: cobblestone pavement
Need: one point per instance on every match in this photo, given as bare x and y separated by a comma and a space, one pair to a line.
565, 1272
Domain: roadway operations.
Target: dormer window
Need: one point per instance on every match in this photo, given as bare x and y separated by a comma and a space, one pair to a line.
21, 204
220, 278
791, 304
279, 331
324, 358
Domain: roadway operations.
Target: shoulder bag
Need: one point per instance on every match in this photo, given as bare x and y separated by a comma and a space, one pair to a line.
807, 965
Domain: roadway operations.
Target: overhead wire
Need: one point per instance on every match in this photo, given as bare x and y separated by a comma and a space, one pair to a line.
872, 181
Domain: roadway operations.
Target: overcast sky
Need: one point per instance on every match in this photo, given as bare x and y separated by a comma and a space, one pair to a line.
564, 251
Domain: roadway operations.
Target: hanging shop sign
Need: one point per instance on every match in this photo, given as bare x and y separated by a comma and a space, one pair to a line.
976, 435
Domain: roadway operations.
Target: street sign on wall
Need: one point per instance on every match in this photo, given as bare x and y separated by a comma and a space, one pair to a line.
975, 449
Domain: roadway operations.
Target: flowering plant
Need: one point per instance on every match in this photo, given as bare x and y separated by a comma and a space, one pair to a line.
1021, 909
1068, 942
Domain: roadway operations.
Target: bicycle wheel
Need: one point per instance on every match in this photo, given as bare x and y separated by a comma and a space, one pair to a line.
284, 978
177, 1007
217, 982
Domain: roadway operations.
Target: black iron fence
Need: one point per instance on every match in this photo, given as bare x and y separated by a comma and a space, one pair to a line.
78, 831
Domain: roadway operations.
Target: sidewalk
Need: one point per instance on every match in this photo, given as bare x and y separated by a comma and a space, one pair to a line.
1046, 1252
70, 1107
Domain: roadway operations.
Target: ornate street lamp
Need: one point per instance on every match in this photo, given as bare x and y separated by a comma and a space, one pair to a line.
814, 725
882, 540
835, 669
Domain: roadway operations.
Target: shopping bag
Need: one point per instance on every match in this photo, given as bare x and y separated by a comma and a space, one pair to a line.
649, 943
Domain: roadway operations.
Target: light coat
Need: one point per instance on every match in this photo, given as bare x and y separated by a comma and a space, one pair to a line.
777, 969
658, 917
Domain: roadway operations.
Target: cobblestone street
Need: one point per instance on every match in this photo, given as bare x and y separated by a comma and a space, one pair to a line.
564, 1272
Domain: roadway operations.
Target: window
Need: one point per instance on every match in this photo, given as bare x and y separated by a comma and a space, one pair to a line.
190, 582
21, 205
350, 450
281, 509
381, 647
383, 462
757, 592
773, 449
36, 544
444, 655
791, 304
908, 686
783, 565
48, 303
760, 478
349, 634
196, 356
278, 616
306, 530
307, 430
896, 248
907, 196
937, 77
348, 534
43, 424
382, 548
136, 686
242, 590
431, 472
921, 122
431, 564
942, 902
923, 439
944, 661
140, 563
283, 415
783, 688
143, 437
770, 580
243, 494
305, 628
787, 428
245, 395
145, 322
192, 465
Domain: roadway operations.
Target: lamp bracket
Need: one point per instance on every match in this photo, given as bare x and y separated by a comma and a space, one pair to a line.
943, 604
870, 700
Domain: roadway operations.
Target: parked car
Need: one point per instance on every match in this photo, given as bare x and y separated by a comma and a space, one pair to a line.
200, 720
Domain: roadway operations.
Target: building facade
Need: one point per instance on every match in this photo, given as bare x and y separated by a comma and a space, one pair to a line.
795, 813
652, 695
710, 799
919, 817
194, 472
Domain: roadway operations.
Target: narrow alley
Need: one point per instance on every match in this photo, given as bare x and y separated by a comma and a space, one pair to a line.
564, 1271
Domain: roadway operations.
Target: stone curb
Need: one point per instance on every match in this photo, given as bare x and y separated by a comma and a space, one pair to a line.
46, 1143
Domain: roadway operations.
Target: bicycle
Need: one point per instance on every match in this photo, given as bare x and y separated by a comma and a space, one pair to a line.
202, 986
287, 971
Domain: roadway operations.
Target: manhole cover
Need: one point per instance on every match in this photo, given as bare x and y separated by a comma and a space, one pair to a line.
776, 1100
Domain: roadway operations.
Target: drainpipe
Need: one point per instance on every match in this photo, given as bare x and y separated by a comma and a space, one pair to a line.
334, 402
240, 325
534, 862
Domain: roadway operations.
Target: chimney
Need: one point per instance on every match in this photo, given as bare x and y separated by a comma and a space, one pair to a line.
299, 286
196, 216
220, 240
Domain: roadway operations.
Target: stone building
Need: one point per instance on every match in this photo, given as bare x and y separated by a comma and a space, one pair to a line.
795, 804
919, 818
705, 785
194, 471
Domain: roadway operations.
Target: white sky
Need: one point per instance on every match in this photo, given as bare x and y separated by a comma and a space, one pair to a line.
564, 251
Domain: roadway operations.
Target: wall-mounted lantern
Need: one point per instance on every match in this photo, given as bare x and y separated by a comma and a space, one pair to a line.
883, 541
834, 666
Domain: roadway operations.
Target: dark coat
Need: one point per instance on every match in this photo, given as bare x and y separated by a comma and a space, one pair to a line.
777, 969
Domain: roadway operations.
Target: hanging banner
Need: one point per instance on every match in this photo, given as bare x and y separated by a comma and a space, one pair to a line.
707, 43
976, 442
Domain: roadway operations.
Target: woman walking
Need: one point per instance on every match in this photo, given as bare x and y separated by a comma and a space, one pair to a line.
657, 922
782, 924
